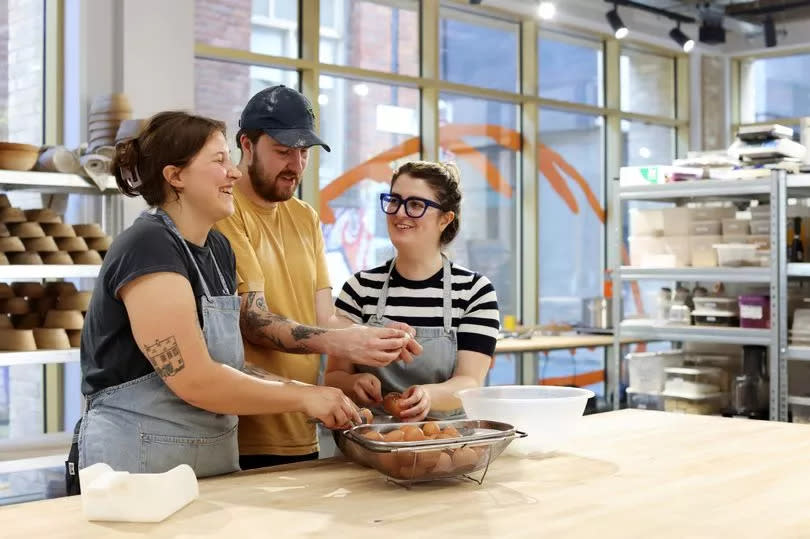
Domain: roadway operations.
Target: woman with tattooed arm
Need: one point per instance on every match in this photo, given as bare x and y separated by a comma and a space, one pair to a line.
161, 352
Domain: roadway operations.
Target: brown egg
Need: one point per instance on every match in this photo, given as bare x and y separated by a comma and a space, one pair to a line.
388, 462
427, 459
431, 436
406, 458
464, 459
443, 436
482, 451
366, 416
452, 432
373, 435
413, 434
431, 427
444, 464
412, 472
391, 404
395, 435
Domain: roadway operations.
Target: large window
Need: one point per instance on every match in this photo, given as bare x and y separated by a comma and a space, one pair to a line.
264, 27
22, 119
22, 64
570, 68
481, 136
571, 209
774, 88
370, 35
647, 83
369, 82
371, 128
478, 51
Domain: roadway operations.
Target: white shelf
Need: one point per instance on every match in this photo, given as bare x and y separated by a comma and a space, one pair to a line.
798, 181
698, 334
730, 275
798, 269
46, 271
39, 357
799, 353
804, 401
53, 182
698, 188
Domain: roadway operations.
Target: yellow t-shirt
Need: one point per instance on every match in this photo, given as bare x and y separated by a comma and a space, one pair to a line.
279, 251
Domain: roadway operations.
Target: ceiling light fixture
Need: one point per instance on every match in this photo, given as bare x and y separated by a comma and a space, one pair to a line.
686, 43
546, 10
620, 31
770, 32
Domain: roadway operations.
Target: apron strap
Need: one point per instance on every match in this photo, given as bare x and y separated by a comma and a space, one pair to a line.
159, 212
447, 290
447, 293
384, 292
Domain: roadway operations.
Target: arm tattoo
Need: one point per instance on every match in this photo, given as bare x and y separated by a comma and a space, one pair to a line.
165, 357
258, 372
265, 328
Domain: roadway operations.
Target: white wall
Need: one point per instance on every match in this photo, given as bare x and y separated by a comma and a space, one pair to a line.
143, 48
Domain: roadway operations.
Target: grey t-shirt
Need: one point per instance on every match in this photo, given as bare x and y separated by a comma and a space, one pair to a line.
109, 353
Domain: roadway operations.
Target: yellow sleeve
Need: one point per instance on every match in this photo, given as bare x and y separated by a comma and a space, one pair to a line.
321, 268
249, 275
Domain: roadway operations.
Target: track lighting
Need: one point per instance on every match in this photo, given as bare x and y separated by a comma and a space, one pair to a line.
770, 32
682, 39
619, 28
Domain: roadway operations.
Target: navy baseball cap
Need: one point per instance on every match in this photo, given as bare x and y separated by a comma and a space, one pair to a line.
285, 114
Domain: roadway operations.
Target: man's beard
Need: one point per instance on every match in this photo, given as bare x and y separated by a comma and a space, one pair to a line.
269, 191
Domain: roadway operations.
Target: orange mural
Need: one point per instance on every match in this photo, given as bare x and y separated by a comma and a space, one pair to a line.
551, 165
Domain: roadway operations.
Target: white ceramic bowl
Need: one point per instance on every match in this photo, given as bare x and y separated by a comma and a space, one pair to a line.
548, 414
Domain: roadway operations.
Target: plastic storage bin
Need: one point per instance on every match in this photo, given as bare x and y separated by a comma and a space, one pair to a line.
647, 370
761, 227
707, 405
739, 227
716, 311
800, 409
737, 254
644, 401
702, 252
755, 311
693, 382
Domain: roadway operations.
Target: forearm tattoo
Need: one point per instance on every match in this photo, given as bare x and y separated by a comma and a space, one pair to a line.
165, 357
265, 328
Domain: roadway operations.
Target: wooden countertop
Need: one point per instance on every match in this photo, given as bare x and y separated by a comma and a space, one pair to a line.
557, 342
626, 474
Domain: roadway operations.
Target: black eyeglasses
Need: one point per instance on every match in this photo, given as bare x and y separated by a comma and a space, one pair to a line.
415, 207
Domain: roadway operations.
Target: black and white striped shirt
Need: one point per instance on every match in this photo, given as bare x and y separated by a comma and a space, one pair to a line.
419, 303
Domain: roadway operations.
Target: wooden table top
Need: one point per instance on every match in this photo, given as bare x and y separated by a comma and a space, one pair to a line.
625, 474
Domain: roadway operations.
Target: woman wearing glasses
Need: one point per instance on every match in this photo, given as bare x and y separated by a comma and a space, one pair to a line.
453, 309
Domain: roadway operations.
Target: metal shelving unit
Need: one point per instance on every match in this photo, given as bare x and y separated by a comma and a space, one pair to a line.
770, 190
796, 186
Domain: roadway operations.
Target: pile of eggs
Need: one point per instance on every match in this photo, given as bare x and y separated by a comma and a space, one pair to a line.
404, 464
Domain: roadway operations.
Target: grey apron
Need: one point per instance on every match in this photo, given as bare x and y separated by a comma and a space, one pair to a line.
141, 426
436, 363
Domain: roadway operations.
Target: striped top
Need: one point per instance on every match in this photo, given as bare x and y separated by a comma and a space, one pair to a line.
419, 303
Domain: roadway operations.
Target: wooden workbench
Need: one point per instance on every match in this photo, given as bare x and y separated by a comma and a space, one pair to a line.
626, 474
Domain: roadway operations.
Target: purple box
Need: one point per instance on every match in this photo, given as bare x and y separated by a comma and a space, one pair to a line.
755, 312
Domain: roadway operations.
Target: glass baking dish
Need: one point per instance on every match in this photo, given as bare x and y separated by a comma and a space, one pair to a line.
474, 445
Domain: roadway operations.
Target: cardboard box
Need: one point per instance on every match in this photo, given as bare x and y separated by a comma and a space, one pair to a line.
702, 253
705, 228
646, 222
736, 227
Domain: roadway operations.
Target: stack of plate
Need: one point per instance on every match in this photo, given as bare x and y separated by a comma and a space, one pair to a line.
106, 114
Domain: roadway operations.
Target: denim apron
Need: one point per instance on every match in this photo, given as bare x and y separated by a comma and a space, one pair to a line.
141, 426
436, 363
